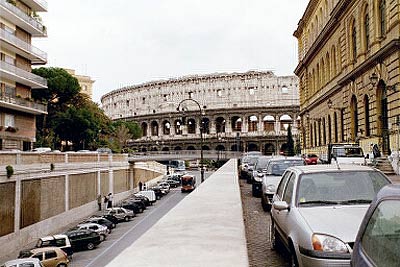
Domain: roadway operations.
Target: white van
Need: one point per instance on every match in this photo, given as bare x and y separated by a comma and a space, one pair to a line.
149, 194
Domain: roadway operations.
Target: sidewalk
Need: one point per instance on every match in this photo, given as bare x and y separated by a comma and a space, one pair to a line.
206, 229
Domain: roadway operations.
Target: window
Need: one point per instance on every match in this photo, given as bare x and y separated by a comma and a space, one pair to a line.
38, 256
287, 195
9, 120
366, 29
8, 59
381, 240
9, 91
50, 254
251, 91
281, 186
285, 90
382, 17
354, 41
219, 92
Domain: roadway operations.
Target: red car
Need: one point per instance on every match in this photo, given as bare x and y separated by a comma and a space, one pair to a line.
311, 159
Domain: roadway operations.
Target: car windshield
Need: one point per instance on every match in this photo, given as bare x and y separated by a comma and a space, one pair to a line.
262, 163
278, 167
342, 187
187, 181
252, 160
348, 152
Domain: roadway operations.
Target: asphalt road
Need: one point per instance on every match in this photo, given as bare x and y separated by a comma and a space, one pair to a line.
127, 233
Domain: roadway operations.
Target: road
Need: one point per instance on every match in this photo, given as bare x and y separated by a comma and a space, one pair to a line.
127, 233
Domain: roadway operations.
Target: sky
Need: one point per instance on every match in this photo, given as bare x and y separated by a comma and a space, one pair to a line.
127, 42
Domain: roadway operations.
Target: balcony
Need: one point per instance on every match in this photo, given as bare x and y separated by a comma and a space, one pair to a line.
22, 105
13, 73
37, 5
21, 19
14, 44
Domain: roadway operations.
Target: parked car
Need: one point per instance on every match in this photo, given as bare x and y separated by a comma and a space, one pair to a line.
272, 177
103, 221
172, 182
131, 204
61, 241
83, 239
48, 256
248, 171
98, 228
149, 194
317, 210
32, 262
165, 187
142, 198
157, 190
311, 159
378, 239
107, 216
122, 214
260, 168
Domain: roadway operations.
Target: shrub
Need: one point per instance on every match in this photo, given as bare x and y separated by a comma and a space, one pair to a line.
10, 171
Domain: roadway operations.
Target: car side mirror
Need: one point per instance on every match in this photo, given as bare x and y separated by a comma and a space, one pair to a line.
281, 205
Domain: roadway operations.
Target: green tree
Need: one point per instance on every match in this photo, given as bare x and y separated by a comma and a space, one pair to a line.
290, 142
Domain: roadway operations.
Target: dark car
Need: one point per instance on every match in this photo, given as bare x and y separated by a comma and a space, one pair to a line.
107, 216
157, 191
378, 238
311, 159
173, 183
131, 204
83, 239
143, 199
103, 221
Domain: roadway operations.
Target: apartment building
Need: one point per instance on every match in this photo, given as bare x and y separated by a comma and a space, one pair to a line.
19, 23
349, 72
85, 82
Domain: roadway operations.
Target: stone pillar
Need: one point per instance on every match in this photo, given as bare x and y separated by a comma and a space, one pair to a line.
98, 182
228, 125
66, 192
212, 125
260, 124
17, 210
111, 181
277, 125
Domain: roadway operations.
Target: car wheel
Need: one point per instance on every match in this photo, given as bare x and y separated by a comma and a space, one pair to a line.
126, 218
292, 257
254, 191
272, 235
248, 180
113, 225
62, 265
102, 238
90, 246
266, 207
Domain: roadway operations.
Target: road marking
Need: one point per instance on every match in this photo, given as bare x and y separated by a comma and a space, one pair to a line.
108, 248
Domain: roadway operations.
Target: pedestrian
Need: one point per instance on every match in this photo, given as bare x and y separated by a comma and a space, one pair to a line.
109, 200
140, 186
375, 151
99, 201
105, 201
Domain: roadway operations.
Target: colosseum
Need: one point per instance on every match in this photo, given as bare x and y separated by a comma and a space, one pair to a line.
249, 111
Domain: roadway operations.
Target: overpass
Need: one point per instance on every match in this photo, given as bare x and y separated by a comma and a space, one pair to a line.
183, 155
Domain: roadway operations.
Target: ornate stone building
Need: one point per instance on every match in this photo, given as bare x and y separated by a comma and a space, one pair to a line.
349, 73
19, 23
85, 82
249, 111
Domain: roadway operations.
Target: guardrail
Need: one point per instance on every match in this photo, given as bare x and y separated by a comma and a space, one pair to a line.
183, 154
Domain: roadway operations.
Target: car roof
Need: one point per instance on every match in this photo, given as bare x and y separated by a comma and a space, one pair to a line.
390, 190
331, 168
51, 237
88, 224
35, 250
24, 260
285, 159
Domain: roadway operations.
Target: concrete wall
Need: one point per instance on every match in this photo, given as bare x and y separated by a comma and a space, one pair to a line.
36, 202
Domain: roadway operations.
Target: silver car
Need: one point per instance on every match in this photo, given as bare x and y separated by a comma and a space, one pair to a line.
318, 209
272, 176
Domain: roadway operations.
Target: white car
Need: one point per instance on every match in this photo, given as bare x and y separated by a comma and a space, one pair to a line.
30, 262
98, 228
120, 213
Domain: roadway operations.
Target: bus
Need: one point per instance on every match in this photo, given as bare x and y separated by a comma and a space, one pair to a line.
188, 183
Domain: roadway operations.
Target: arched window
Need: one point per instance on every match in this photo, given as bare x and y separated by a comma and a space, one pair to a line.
382, 17
322, 72
329, 129
323, 131
354, 117
333, 60
366, 114
336, 130
354, 40
317, 78
328, 68
366, 31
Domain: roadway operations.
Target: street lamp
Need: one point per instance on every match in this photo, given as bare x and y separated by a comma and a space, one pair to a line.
201, 130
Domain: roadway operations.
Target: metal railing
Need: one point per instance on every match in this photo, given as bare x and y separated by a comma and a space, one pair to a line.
25, 17
23, 45
187, 154
42, 82
24, 103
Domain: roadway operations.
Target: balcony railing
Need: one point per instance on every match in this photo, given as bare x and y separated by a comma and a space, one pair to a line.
25, 17
41, 82
25, 103
23, 45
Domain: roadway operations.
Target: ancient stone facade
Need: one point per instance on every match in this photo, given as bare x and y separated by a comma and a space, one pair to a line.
245, 111
348, 69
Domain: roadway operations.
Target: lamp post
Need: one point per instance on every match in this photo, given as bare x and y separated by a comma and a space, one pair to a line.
201, 131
